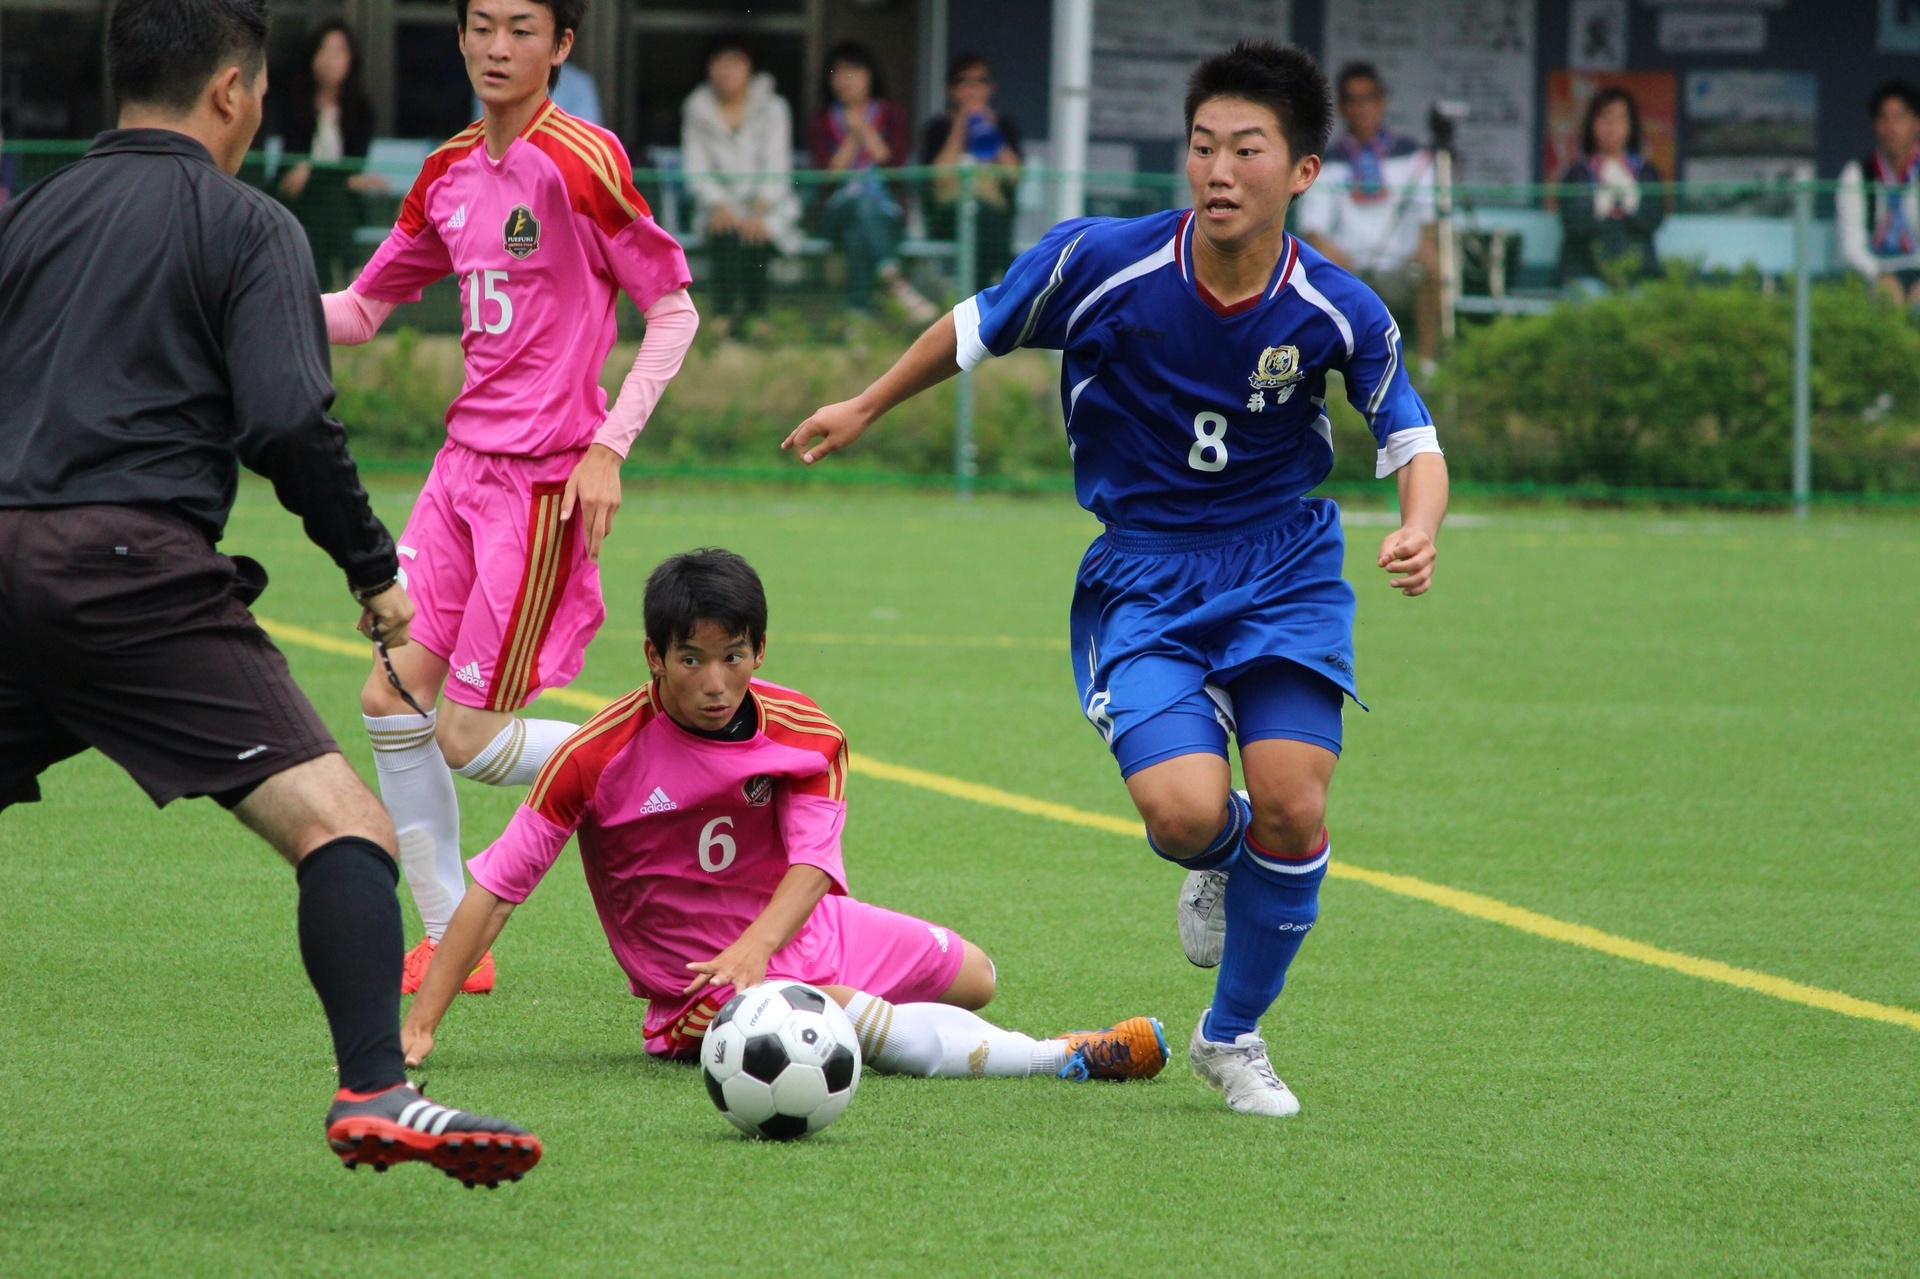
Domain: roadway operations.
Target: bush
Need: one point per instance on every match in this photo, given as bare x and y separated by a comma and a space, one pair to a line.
1683, 385
733, 403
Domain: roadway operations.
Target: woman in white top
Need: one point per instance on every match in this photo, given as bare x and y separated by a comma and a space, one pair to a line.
1613, 220
326, 125
1880, 228
736, 138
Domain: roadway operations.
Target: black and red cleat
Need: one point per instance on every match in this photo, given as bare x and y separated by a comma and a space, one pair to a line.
399, 1125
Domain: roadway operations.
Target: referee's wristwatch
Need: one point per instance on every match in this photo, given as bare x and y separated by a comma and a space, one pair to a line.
362, 594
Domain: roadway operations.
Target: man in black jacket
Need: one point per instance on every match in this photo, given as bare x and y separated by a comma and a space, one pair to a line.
160, 326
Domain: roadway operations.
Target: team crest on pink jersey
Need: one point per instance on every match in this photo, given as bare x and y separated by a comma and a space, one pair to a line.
521, 234
758, 790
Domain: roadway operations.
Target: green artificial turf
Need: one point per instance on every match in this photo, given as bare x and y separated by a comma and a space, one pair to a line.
1693, 731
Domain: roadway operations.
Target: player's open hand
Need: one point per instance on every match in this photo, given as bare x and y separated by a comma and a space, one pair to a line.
740, 965
593, 492
835, 427
1408, 554
392, 610
416, 1042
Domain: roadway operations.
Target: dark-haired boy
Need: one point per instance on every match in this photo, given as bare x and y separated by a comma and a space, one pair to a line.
1877, 205
1197, 346
536, 213
123, 425
709, 806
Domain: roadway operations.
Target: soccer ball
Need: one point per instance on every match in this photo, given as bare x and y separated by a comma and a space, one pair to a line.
780, 1060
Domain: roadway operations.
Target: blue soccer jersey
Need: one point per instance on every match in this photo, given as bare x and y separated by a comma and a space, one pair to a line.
1183, 414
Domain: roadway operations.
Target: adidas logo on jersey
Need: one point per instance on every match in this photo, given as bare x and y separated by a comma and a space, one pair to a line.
458, 220
657, 803
470, 674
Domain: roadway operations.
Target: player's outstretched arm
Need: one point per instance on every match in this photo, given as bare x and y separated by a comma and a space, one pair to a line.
744, 963
1409, 551
475, 924
353, 318
932, 359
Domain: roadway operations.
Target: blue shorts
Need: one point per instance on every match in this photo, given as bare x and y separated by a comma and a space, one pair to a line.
1182, 638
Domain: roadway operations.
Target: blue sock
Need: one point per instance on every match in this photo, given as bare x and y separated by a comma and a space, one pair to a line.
1218, 855
1271, 904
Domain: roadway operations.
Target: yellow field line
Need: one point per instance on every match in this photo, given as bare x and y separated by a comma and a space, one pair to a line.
1472, 904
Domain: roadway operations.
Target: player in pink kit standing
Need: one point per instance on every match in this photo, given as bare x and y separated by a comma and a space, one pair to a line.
709, 807
537, 215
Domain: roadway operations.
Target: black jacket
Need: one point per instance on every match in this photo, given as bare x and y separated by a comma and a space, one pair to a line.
160, 326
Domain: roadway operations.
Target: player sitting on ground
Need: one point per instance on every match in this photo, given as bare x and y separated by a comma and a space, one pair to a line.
709, 806
1196, 347
536, 213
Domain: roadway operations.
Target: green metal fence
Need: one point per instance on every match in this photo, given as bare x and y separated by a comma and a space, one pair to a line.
1774, 242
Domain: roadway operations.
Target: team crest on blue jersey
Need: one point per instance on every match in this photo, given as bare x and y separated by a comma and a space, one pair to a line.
758, 790
521, 235
1279, 367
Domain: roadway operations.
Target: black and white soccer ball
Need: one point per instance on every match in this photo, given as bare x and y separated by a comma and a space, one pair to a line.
780, 1060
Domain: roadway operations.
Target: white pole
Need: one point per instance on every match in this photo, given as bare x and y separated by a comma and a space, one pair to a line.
1072, 102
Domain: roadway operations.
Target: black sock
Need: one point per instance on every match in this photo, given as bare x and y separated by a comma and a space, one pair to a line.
350, 940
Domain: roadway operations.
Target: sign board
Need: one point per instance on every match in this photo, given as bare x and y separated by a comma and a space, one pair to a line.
1480, 52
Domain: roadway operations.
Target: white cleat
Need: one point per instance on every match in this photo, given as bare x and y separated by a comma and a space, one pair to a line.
1241, 1071
1202, 917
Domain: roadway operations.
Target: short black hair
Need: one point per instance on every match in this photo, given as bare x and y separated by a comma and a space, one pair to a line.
964, 63
1279, 77
1600, 102
1900, 89
163, 52
708, 585
1358, 71
567, 16
730, 42
852, 53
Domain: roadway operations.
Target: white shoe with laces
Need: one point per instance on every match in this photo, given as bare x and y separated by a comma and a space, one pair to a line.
1202, 917
1241, 1071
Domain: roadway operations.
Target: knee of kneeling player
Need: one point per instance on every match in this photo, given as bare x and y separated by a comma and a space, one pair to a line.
973, 986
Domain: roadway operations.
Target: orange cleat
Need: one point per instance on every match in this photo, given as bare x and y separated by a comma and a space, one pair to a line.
480, 980
1134, 1049
414, 971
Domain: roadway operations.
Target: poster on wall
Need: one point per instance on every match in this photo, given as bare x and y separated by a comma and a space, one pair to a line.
1480, 52
1597, 35
1656, 95
1696, 31
1751, 126
1143, 50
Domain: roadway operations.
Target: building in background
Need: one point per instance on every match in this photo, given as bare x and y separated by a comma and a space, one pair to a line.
1499, 56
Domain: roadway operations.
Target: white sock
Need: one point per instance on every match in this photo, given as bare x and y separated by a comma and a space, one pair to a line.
515, 756
417, 788
944, 1042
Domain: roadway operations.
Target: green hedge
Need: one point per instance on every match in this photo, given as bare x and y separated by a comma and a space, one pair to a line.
1675, 385
1679, 385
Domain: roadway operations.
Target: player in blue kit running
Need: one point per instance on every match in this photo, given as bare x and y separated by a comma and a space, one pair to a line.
1197, 345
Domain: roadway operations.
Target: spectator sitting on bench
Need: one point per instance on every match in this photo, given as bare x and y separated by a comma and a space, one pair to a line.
856, 132
1616, 220
736, 139
972, 127
1880, 225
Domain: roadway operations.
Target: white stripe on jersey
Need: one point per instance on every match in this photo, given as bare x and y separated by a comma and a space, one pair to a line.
1039, 304
1073, 398
966, 327
1379, 396
1145, 266
1403, 446
1304, 287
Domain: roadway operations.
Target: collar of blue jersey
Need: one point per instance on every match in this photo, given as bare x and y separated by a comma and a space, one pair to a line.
1282, 271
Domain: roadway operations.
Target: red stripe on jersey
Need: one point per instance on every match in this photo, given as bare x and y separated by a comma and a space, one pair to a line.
413, 213
594, 166
568, 780
792, 719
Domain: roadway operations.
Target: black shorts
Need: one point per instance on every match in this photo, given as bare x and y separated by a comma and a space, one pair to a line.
121, 628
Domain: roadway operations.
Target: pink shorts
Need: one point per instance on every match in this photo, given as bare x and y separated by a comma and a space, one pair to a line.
500, 586
897, 957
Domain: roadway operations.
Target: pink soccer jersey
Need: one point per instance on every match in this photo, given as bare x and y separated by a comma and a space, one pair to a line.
542, 239
683, 838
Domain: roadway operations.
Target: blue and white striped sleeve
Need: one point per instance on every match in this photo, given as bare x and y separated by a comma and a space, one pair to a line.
1378, 385
1029, 307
